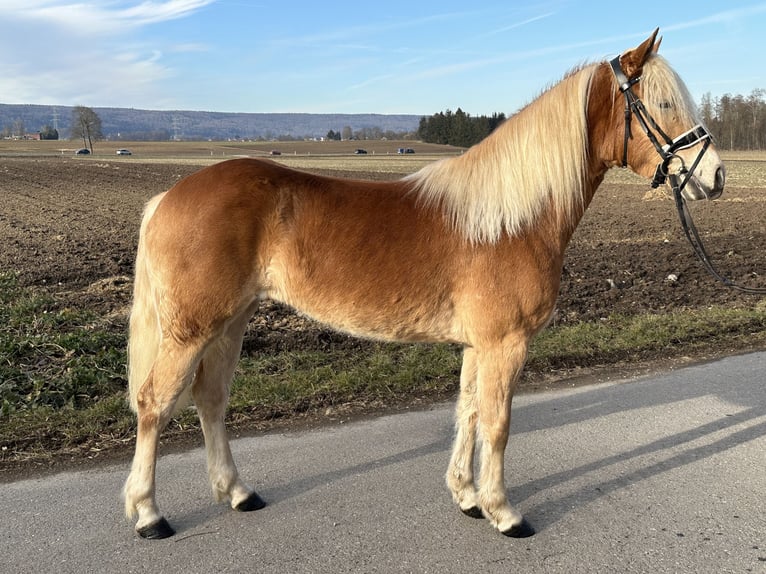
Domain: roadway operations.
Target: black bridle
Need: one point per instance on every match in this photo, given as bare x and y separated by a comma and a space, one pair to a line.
667, 152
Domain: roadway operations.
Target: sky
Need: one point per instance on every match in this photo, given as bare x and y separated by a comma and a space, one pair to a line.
410, 57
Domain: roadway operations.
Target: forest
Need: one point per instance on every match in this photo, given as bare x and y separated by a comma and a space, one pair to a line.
737, 122
457, 128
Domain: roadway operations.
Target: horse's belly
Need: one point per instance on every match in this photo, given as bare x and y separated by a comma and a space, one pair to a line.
374, 311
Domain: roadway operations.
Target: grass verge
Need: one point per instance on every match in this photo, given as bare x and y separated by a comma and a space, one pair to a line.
62, 385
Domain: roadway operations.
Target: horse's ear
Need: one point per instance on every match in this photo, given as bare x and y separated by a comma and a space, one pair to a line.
632, 61
657, 45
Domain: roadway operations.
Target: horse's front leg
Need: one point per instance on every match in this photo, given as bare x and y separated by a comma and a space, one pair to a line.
498, 369
460, 471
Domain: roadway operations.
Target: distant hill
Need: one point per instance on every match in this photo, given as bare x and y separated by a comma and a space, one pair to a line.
133, 124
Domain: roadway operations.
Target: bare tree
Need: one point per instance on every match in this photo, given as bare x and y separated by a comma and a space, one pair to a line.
18, 129
755, 106
86, 125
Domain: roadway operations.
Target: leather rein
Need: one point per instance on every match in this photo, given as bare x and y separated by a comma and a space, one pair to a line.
667, 152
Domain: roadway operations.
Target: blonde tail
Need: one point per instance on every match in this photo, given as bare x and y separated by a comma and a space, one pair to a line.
144, 331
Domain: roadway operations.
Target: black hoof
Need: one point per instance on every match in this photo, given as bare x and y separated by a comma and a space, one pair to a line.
157, 531
521, 530
473, 512
252, 502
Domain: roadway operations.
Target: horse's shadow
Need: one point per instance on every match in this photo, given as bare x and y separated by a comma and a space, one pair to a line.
279, 494
599, 401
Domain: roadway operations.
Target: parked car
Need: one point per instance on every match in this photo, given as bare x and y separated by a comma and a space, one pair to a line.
82, 151
361, 151
405, 150
276, 152
124, 152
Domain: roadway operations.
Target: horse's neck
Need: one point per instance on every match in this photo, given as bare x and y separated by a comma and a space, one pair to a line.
556, 231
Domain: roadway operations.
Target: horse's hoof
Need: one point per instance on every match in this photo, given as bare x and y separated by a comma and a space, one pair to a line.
157, 531
252, 502
521, 530
473, 512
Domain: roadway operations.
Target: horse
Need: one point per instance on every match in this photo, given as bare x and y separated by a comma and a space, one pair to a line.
468, 250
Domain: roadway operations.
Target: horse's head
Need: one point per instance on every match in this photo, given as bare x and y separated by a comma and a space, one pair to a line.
656, 130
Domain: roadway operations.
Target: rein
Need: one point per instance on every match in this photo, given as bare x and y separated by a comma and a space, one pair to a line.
667, 153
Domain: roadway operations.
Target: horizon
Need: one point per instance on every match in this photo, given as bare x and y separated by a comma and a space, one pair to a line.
216, 111
234, 56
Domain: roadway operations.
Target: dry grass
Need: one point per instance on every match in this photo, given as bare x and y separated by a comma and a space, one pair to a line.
381, 157
190, 149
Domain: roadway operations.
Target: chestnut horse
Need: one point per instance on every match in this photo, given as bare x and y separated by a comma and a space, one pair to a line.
468, 250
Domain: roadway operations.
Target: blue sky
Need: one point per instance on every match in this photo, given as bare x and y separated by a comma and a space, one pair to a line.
354, 57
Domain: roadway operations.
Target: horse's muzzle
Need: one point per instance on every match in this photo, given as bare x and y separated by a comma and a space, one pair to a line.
697, 188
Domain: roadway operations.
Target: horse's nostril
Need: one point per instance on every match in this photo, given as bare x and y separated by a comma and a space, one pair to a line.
720, 179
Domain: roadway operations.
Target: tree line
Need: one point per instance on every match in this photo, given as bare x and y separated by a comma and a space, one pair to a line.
737, 122
366, 133
457, 128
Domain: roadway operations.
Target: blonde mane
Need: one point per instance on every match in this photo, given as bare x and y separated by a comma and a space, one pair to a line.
665, 93
535, 159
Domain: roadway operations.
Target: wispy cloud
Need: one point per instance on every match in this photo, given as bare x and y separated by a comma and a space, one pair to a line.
190, 47
724, 17
99, 18
347, 33
515, 25
515, 55
461, 58
104, 61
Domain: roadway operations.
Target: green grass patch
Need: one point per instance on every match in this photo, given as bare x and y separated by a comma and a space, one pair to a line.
62, 370
52, 356
384, 373
619, 337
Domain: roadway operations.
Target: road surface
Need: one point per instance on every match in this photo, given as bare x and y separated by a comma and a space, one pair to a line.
654, 474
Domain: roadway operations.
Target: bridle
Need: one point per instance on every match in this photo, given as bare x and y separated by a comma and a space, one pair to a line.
667, 153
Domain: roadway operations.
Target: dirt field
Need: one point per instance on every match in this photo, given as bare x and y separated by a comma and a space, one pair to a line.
71, 224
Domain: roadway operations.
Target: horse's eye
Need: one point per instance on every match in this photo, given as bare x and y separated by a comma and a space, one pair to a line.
664, 105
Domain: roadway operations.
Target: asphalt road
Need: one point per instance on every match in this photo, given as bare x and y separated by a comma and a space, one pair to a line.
655, 474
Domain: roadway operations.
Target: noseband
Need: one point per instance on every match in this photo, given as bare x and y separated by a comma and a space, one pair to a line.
667, 152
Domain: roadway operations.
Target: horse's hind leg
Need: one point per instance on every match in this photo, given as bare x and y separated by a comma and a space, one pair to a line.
498, 370
460, 471
171, 374
211, 395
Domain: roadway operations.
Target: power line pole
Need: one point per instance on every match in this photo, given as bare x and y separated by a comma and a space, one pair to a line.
176, 129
